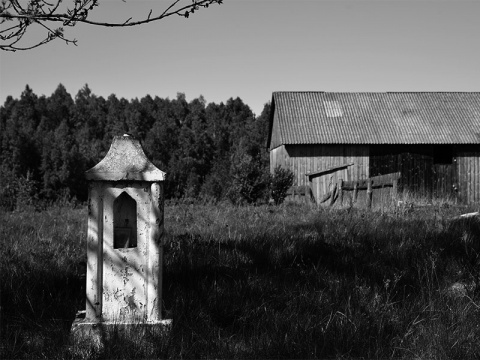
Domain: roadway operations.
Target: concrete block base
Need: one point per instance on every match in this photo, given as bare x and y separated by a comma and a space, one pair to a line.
95, 334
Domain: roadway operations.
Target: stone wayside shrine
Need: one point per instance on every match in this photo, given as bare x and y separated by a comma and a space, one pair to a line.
125, 243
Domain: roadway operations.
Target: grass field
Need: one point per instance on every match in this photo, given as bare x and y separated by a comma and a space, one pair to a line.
261, 282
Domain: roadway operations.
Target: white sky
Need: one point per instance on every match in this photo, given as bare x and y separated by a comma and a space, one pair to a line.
250, 48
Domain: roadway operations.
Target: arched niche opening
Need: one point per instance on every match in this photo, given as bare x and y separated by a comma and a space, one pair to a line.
124, 222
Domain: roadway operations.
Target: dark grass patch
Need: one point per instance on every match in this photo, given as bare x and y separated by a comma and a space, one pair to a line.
262, 282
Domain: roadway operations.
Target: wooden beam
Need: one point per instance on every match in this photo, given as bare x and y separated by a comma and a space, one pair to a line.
333, 198
330, 169
377, 181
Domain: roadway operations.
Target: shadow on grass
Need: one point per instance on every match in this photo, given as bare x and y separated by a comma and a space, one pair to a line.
38, 308
351, 286
305, 297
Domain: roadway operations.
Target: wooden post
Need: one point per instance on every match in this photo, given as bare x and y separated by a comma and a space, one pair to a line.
395, 190
355, 192
332, 197
369, 194
340, 191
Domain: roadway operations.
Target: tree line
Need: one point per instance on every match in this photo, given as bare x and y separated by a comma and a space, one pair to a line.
209, 151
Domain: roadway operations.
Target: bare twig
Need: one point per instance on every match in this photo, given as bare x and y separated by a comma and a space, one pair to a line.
42, 12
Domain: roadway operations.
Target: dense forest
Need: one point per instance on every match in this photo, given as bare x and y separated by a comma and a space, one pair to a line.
209, 151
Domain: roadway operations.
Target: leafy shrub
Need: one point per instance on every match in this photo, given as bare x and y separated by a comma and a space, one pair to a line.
17, 192
250, 181
282, 180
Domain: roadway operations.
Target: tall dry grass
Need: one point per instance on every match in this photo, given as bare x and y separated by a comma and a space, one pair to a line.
290, 281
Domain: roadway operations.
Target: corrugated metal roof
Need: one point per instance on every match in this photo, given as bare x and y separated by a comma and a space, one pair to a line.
377, 118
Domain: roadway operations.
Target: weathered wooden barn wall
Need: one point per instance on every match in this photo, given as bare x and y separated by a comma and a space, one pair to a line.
431, 138
468, 170
346, 162
448, 171
426, 170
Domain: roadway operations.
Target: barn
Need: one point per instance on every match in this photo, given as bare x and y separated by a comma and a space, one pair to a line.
431, 140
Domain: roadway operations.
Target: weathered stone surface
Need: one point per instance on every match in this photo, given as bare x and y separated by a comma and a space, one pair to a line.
125, 160
91, 334
124, 244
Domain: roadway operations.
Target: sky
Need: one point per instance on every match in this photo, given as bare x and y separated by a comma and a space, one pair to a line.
251, 48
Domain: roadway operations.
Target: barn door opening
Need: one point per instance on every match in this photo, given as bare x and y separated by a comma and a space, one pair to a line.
444, 172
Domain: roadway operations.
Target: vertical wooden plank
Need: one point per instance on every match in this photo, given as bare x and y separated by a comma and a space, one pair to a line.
323, 163
303, 161
298, 160
362, 171
281, 157
339, 155
336, 153
469, 172
273, 160
457, 174
330, 149
340, 191
319, 187
332, 197
300, 164
474, 170
308, 158
307, 162
313, 162
355, 192
477, 176
270, 157
465, 192
395, 190
287, 162
369, 194
320, 179
461, 177
353, 160
423, 174
346, 160
361, 163
278, 158
295, 165
474, 176
315, 168
366, 162
361, 167
291, 154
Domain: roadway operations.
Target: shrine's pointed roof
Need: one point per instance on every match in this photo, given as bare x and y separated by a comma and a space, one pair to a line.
125, 161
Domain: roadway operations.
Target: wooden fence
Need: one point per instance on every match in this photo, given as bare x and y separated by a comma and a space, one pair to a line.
373, 192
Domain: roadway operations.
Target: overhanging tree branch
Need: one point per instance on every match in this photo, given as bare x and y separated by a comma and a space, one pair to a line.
17, 16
